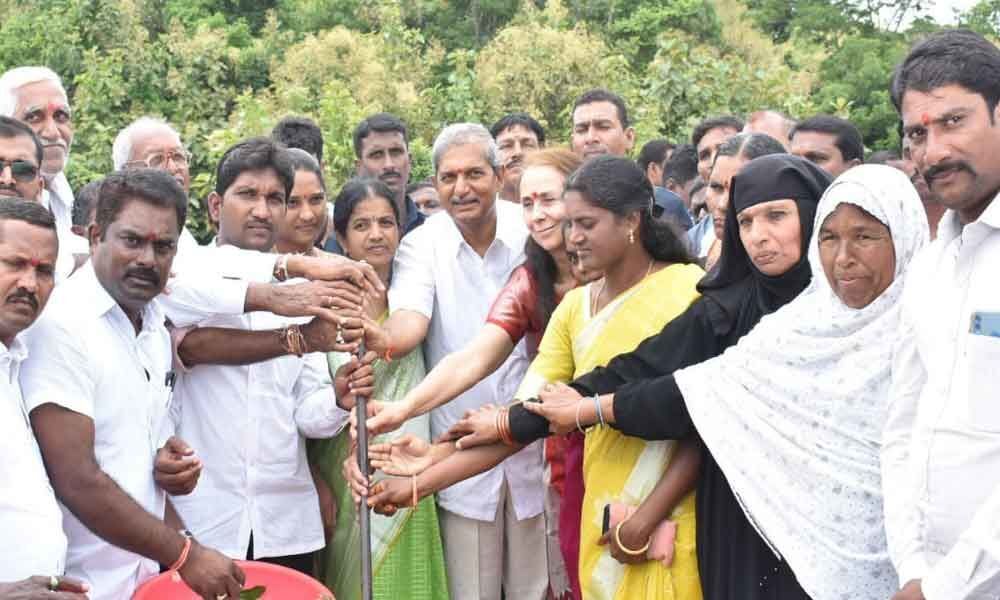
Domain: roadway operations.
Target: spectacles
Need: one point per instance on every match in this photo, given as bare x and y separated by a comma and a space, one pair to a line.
159, 160
21, 170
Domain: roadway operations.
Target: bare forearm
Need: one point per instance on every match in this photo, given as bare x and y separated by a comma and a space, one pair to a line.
112, 514
459, 371
220, 346
171, 518
462, 465
677, 482
260, 297
402, 333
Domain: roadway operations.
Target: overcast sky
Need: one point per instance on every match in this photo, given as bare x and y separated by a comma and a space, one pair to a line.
943, 10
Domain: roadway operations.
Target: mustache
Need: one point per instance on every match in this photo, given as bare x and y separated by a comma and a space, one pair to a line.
259, 223
23, 294
144, 273
955, 165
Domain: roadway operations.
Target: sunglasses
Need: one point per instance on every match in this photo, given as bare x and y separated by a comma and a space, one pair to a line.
22, 170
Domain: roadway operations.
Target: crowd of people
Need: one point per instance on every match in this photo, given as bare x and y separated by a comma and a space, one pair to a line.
754, 366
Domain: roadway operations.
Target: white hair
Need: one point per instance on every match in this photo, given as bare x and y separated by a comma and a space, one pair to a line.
18, 77
121, 150
460, 134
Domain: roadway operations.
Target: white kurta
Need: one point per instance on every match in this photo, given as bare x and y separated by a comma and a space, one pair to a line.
34, 542
437, 274
86, 357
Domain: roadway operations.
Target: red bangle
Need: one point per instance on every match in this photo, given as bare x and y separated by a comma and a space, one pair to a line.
387, 357
179, 564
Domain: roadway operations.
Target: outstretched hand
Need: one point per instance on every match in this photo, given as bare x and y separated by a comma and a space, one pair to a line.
405, 456
389, 495
559, 405
477, 428
385, 417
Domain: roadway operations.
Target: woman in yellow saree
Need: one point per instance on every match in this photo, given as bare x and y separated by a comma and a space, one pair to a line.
646, 285
648, 280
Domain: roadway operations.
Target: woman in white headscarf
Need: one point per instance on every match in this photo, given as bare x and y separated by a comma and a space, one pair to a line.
794, 412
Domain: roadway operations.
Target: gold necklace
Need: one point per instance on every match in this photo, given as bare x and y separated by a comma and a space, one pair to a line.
597, 297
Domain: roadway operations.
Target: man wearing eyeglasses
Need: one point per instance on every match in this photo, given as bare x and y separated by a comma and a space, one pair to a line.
151, 142
20, 158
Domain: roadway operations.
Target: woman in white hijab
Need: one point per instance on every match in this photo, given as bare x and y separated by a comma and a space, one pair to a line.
794, 412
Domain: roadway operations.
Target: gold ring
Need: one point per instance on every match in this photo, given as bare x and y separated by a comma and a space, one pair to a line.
53, 583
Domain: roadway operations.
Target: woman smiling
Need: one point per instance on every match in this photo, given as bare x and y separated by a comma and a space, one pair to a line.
366, 223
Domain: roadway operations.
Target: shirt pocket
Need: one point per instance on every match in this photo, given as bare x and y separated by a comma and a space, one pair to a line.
983, 354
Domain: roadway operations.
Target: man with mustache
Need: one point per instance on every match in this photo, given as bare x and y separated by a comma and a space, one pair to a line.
601, 126
230, 280
516, 134
20, 161
932, 206
97, 384
445, 277
381, 144
941, 448
29, 515
35, 96
249, 419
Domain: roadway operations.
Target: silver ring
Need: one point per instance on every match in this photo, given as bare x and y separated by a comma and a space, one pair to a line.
53, 583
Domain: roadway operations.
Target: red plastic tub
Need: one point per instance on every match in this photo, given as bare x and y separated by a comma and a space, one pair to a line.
281, 584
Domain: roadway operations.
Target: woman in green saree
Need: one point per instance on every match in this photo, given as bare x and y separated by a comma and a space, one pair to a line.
407, 558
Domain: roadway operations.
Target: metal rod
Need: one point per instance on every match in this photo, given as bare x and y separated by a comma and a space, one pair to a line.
364, 513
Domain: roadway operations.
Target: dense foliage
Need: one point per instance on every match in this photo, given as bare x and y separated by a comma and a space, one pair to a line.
224, 69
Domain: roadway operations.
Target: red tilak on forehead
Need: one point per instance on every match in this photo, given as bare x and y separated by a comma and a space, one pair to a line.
925, 119
151, 238
34, 262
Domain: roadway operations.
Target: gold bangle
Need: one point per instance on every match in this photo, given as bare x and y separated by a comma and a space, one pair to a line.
618, 540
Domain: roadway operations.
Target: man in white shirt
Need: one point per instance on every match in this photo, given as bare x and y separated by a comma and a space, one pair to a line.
34, 542
229, 280
97, 387
35, 96
445, 276
941, 447
249, 421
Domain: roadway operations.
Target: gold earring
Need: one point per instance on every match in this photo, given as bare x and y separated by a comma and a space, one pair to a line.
631, 236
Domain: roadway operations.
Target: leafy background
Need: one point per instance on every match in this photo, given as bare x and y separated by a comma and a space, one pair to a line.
221, 70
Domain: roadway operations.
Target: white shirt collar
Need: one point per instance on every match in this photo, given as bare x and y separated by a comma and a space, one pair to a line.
951, 227
506, 234
59, 187
102, 302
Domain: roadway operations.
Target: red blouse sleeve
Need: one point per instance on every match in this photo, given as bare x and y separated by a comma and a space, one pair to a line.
514, 307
